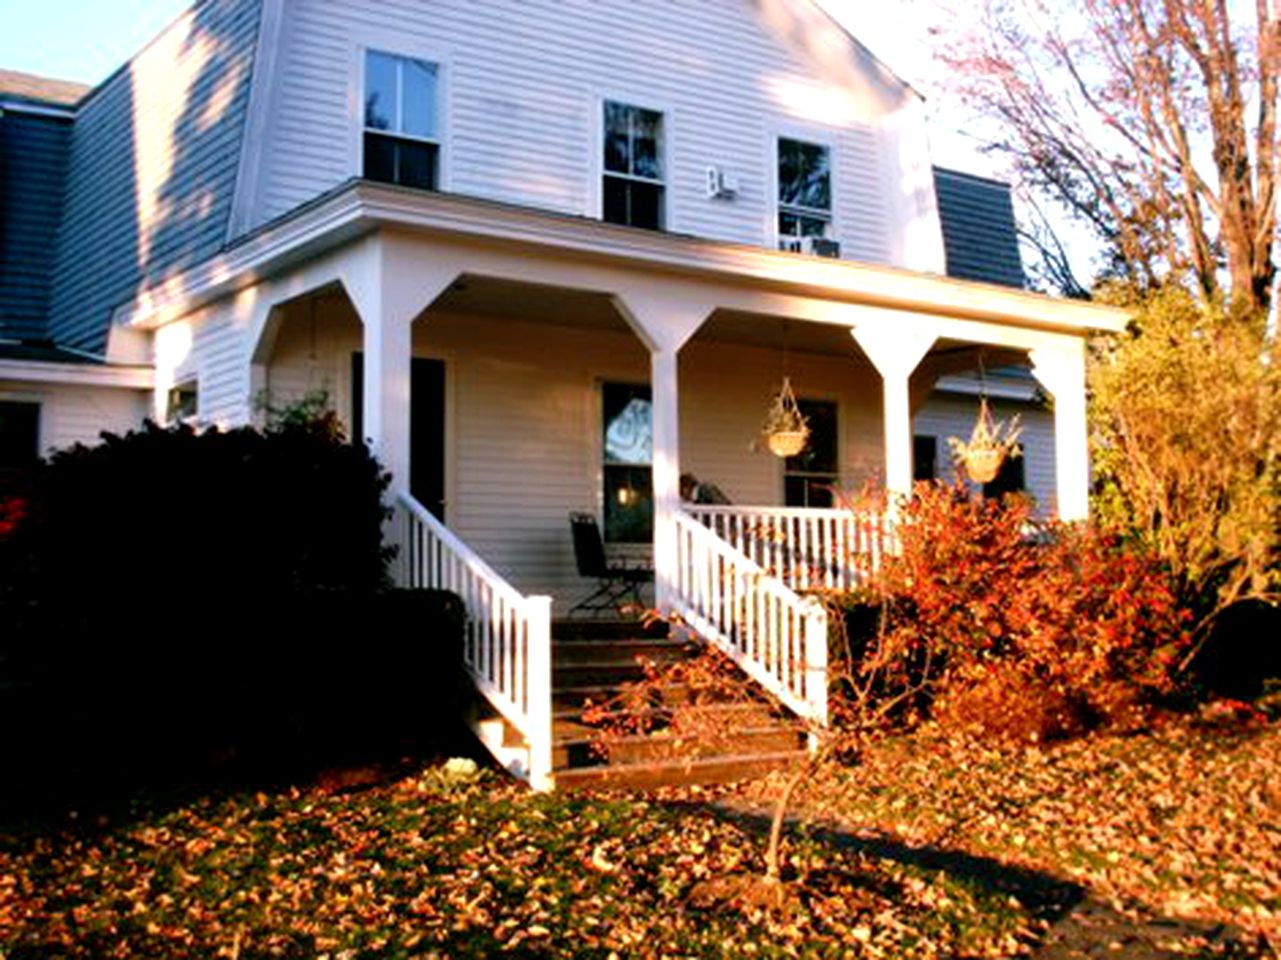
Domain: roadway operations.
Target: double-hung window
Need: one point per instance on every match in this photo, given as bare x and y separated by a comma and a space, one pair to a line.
804, 192
401, 135
633, 185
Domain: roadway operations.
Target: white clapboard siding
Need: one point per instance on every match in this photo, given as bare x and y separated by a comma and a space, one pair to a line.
522, 83
524, 421
952, 415
73, 413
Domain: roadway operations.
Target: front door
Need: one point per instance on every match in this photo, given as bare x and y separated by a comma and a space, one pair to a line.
426, 427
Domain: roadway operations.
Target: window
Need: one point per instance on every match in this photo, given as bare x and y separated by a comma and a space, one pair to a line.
924, 457
808, 477
632, 188
804, 192
1012, 478
181, 403
628, 453
401, 140
19, 434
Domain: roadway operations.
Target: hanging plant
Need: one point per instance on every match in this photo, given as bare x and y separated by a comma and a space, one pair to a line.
785, 429
991, 441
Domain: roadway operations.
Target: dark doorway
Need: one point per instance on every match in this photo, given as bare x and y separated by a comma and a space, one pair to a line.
426, 427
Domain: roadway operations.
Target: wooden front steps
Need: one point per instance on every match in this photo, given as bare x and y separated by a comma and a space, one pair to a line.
591, 661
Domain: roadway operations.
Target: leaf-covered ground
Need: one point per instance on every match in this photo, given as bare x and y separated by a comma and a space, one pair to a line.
1183, 821
437, 867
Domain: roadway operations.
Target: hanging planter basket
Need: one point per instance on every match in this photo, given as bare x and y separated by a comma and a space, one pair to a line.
990, 443
785, 429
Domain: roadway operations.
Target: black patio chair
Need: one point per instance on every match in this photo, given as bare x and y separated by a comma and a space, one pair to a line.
615, 581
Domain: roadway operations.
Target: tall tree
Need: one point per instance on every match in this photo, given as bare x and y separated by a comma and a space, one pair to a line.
1154, 121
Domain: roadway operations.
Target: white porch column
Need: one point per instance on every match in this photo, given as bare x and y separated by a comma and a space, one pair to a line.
388, 353
895, 352
390, 286
664, 316
1061, 369
666, 468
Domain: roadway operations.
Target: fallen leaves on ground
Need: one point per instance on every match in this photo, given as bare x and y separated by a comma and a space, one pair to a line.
435, 867
1182, 821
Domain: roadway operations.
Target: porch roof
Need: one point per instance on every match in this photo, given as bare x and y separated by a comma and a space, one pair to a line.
360, 207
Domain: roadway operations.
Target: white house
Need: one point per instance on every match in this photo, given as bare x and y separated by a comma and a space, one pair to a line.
545, 257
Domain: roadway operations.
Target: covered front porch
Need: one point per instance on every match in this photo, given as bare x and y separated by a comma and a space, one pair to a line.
510, 368
525, 401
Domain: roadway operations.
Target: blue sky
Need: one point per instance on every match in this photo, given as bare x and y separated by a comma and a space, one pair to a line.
80, 40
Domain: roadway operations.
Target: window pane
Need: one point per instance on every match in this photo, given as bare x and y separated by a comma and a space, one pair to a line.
646, 205
615, 201
380, 158
628, 424
1010, 479
816, 190
380, 91
804, 177
812, 226
416, 165
19, 434
418, 92
647, 127
819, 455
629, 505
617, 138
924, 454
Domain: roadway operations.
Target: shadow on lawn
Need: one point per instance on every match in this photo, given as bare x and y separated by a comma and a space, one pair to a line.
1078, 923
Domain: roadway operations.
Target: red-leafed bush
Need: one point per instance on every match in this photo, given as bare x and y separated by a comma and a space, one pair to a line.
1022, 628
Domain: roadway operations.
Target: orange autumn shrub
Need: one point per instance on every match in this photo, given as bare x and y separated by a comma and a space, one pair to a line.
1027, 629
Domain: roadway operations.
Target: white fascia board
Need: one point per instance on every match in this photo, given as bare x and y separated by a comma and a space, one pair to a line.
37, 109
76, 374
361, 207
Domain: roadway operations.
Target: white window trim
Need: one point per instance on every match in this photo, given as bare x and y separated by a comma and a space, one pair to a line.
596, 195
819, 136
396, 45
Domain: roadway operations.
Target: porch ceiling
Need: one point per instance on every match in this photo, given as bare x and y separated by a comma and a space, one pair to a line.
472, 295
761, 330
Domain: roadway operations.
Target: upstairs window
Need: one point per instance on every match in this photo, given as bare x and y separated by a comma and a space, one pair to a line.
401, 137
804, 192
633, 166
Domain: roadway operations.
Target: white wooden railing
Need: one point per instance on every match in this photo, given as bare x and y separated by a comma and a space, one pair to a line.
808, 549
507, 638
777, 637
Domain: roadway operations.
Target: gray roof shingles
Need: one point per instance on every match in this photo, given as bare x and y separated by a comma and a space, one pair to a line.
979, 234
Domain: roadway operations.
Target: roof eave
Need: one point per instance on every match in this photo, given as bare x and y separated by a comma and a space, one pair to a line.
359, 207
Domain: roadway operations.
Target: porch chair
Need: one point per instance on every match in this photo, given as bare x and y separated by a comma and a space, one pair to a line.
615, 582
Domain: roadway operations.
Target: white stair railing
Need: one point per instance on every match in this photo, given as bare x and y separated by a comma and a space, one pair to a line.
777, 637
806, 548
507, 638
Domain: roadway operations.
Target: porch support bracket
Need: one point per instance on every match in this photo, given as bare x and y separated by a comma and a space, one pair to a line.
665, 316
896, 352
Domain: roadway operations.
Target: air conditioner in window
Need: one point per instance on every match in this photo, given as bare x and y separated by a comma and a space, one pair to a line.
811, 246
720, 184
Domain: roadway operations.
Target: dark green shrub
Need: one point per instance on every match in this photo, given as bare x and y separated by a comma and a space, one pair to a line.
175, 605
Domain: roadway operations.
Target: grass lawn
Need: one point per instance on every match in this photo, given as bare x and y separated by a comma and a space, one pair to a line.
431, 867
1181, 822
